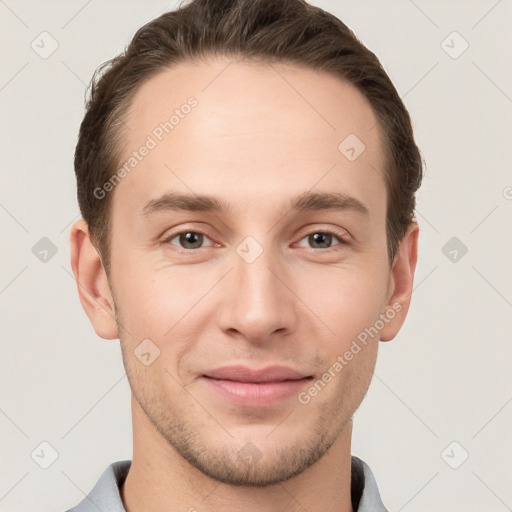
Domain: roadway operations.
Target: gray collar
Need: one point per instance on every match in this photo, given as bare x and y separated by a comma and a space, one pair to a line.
105, 496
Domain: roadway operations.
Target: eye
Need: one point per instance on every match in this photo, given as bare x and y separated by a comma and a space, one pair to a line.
192, 240
188, 240
323, 239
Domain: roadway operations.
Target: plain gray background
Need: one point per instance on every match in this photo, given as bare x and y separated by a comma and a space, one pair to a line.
441, 390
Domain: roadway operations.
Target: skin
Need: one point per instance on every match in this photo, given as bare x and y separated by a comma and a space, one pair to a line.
252, 141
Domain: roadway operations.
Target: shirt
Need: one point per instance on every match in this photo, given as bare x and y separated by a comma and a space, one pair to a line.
105, 495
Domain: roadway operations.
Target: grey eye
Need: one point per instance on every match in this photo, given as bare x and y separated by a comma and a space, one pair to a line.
320, 240
189, 239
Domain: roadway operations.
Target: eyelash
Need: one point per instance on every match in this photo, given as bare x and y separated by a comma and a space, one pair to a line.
342, 240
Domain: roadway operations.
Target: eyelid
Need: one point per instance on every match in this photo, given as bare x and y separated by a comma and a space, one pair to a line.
318, 227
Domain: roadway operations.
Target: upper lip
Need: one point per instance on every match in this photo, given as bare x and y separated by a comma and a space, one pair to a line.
246, 374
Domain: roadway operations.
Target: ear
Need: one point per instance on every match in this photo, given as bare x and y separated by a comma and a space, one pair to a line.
401, 282
92, 283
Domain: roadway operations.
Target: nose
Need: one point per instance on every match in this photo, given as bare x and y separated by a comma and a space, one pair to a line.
258, 302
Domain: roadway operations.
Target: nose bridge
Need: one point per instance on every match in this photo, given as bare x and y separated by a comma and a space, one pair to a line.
260, 302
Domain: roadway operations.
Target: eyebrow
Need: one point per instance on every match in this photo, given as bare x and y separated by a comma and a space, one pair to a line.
307, 201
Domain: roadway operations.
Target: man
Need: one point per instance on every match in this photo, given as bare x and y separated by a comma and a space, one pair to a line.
246, 174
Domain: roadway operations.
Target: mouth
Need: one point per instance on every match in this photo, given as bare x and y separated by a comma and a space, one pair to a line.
248, 387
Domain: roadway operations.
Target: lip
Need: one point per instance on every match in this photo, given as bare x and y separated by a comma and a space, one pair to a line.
255, 387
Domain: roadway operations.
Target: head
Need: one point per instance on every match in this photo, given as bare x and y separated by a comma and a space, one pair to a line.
295, 243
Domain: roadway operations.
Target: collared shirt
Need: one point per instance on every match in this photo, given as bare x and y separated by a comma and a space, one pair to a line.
105, 495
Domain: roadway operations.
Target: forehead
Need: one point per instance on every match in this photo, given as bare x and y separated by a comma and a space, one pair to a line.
253, 130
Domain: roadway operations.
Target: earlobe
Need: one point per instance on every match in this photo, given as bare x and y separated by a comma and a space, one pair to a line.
401, 282
92, 283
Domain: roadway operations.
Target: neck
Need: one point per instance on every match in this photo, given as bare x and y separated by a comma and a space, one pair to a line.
161, 480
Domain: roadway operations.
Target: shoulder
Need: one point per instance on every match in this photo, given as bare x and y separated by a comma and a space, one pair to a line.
364, 490
105, 495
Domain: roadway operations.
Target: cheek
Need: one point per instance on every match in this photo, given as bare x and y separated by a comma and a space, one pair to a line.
347, 299
152, 299
164, 306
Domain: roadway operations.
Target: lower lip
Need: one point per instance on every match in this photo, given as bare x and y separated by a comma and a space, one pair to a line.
250, 394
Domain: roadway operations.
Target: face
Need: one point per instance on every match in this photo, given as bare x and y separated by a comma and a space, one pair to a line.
250, 300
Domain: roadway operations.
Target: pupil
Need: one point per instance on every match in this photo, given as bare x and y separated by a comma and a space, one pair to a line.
191, 238
322, 239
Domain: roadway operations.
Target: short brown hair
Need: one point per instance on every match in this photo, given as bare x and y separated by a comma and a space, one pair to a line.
289, 31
